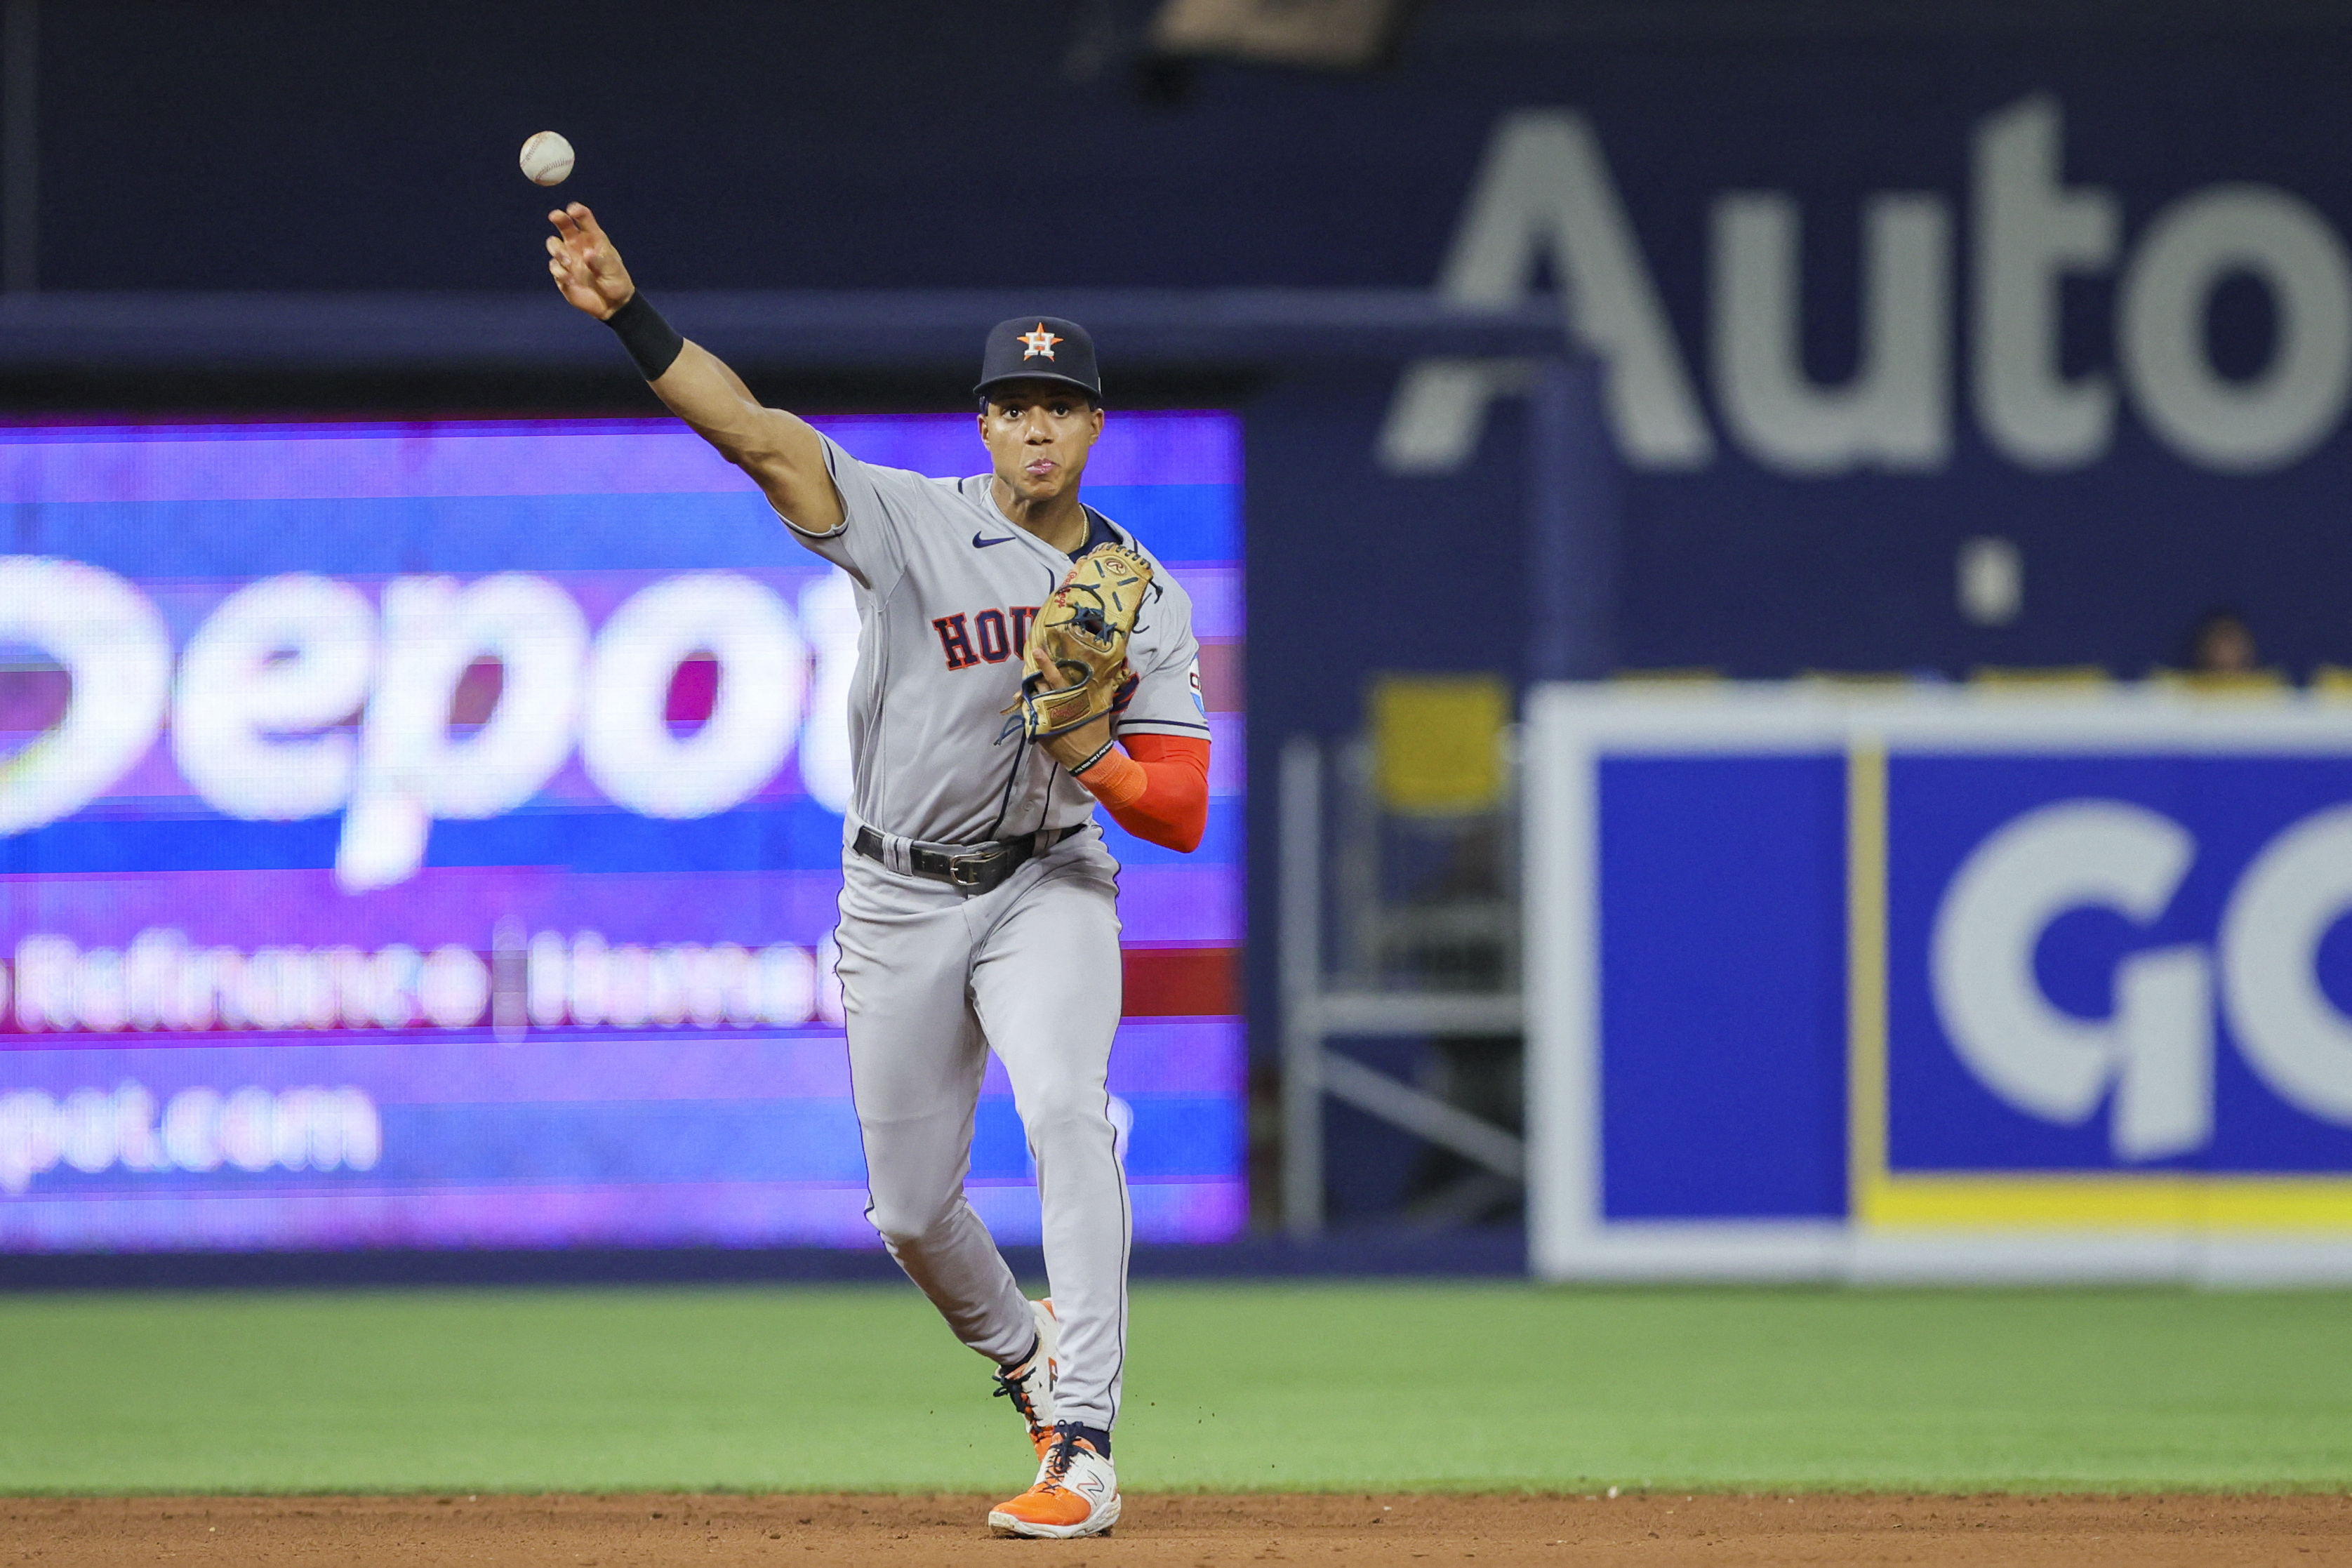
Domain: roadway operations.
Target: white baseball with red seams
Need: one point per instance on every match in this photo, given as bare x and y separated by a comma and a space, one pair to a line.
547, 158
933, 975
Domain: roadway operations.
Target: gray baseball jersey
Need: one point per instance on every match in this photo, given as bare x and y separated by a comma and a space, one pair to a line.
933, 977
946, 589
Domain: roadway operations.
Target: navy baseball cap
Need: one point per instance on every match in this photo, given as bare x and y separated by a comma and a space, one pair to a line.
1039, 348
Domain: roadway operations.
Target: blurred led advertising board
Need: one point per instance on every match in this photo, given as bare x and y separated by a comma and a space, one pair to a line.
428, 835
1953, 985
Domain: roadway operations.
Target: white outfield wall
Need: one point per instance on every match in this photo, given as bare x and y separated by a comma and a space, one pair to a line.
1939, 985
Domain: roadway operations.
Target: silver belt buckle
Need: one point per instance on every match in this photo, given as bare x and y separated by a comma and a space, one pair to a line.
970, 869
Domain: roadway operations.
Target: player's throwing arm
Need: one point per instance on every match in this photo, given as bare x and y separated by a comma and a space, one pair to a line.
779, 450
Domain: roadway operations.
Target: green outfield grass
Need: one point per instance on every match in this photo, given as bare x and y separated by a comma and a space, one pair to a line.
1232, 1386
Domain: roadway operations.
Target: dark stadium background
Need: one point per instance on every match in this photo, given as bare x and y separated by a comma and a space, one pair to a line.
277, 148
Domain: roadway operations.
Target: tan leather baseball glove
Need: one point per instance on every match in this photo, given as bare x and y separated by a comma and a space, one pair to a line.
1081, 633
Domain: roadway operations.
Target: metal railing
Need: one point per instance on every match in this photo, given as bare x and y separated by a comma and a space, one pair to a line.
1363, 1000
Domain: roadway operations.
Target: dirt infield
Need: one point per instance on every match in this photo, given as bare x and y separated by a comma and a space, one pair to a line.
1178, 1531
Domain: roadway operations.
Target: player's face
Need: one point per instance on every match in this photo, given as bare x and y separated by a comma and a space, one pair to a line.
1039, 434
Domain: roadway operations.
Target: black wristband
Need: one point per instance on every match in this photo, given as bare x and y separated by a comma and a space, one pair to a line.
1090, 762
652, 341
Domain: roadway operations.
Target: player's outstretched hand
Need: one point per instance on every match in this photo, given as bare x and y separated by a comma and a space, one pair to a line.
587, 267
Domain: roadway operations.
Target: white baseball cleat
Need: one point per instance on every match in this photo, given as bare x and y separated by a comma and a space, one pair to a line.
1030, 1385
1077, 1493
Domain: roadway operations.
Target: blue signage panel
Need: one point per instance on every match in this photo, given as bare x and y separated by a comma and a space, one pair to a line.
1938, 966
2089, 969
1722, 916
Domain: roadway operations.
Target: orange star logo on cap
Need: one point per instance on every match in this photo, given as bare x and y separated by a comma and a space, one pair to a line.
1040, 341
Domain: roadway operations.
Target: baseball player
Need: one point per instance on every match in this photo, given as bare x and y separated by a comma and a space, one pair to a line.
1019, 658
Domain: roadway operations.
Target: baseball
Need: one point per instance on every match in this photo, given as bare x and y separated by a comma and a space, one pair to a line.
547, 158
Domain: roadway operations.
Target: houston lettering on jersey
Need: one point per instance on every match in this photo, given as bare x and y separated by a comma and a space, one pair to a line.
988, 637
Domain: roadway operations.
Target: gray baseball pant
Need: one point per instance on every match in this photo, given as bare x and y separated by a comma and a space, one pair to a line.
933, 978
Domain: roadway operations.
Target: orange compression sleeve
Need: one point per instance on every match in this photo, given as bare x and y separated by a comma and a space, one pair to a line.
1158, 791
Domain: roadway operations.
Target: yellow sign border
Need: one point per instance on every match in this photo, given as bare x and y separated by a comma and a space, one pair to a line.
1878, 1198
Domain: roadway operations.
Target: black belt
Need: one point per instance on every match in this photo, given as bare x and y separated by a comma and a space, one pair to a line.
976, 868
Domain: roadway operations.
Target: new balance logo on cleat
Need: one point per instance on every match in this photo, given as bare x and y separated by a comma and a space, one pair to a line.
1077, 1493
